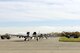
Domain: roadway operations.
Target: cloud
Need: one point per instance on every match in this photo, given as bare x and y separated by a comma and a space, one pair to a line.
41, 9
41, 29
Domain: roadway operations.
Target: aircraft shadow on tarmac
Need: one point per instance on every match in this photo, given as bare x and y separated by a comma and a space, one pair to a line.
18, 41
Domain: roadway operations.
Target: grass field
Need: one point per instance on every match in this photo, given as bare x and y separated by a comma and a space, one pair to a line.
65, 39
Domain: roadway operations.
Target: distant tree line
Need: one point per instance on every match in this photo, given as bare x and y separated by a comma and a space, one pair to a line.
66, 34
71, 34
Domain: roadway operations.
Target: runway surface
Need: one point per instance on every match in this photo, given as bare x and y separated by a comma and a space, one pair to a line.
51, 45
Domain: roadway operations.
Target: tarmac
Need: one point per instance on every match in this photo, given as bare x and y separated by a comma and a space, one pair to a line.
50, 45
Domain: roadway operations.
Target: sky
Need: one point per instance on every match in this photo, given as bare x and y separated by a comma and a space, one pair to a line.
39, 15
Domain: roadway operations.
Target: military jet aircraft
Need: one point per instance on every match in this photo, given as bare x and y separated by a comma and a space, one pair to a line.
27, 37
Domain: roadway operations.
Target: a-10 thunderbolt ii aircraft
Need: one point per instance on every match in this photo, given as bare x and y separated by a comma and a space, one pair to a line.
35, 35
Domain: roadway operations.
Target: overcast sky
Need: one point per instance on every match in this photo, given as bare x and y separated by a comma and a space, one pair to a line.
44, 15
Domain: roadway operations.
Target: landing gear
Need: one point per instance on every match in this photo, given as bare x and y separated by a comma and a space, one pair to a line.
25, 39
2, 37
37, 39
8, 37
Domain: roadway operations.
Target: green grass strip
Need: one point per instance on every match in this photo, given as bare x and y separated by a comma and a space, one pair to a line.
65, 39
